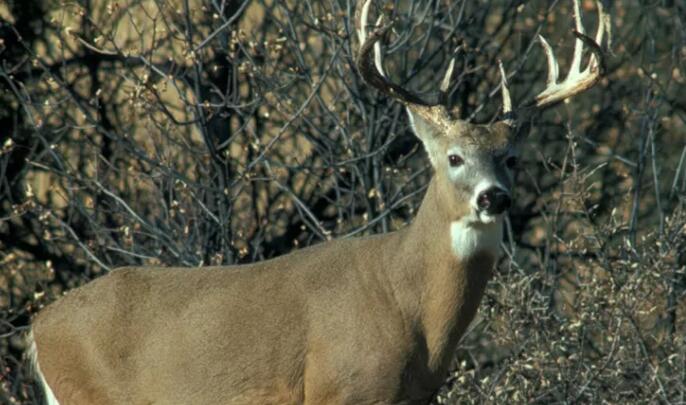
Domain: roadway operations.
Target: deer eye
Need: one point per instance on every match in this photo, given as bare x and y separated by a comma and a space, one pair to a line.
455, 160
511, 162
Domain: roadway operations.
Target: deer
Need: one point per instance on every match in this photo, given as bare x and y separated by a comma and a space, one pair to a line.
364, 320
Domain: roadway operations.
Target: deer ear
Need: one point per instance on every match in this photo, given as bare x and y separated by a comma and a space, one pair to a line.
427, 133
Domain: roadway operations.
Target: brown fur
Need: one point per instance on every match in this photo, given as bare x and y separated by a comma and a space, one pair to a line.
365, 320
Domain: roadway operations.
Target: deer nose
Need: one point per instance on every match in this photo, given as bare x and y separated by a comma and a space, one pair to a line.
494, 201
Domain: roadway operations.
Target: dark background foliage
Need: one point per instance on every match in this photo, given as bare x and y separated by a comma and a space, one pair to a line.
183, 132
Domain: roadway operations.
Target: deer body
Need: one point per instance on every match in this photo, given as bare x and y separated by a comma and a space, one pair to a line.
381, 313
357, 321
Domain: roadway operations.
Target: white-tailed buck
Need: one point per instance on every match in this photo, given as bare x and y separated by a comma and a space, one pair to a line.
355, 321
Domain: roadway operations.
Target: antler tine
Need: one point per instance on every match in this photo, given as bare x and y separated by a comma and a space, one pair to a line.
578, 43
377, 51
445, 83
362, 35
361, 17
577, 80
553, 67
603, 25
369, 61
507, 100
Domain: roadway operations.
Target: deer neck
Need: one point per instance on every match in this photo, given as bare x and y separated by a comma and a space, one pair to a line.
450, 266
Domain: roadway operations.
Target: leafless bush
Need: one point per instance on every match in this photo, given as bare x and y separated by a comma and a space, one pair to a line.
218, 132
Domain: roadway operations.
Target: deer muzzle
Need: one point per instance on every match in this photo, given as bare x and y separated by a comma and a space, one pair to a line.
494, 201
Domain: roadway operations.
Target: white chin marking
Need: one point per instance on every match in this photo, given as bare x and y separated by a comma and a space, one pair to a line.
487, 218
469, 237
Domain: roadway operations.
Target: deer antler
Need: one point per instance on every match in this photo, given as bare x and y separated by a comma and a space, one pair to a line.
577, 80
507, 101
371, 69
369, 63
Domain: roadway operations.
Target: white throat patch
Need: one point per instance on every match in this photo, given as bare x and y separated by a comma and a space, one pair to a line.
468, 238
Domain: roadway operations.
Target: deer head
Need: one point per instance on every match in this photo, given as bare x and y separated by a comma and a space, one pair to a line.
473, 163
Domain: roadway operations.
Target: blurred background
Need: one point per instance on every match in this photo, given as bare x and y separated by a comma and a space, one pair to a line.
203, 132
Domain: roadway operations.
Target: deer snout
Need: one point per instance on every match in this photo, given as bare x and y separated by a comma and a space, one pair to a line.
494, 201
